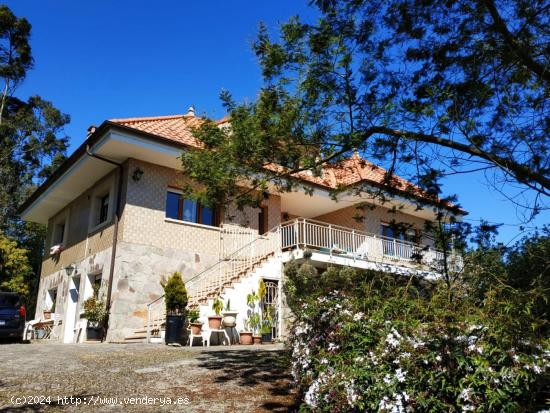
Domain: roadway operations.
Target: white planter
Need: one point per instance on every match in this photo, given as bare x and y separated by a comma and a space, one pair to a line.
229, 318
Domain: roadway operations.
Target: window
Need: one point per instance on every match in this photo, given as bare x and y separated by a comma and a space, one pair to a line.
388, 231
189, 210
103, 208
59, 230
51, 299
96, 284
410, 234
58, 234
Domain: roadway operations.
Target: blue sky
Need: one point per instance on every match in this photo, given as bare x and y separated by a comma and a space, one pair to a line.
109, 59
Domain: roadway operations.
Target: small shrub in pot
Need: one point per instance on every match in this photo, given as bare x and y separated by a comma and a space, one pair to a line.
175, 297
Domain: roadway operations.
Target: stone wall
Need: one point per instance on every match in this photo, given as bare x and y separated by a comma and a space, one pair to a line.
139, 271
95, 264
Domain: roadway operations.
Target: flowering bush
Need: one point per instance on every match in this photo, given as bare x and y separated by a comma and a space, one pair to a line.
368, 341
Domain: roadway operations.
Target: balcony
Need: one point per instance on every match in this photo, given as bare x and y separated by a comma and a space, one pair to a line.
347, 246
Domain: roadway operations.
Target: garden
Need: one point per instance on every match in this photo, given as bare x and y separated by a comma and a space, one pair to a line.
372, 341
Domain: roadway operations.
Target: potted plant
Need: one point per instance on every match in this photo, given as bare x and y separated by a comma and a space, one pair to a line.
267, 325
175, 297
245, 336
215, 321
194, 323
266, 332
254, 319
96, 314
229, 316
255, 322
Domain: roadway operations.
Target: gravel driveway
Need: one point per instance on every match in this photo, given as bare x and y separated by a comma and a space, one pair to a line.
105, 378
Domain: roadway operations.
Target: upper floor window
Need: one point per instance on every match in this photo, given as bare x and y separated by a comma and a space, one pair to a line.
58, 235
103, 208
100, 208
183, 209
59, 230
101, 204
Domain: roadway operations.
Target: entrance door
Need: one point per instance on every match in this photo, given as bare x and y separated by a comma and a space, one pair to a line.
262, 220
271, 301
72, 315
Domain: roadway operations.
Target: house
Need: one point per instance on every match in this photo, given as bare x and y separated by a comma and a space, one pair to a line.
118, 223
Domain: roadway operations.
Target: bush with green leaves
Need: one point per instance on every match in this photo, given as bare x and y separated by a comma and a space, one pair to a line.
175, 295
372, 341
95, 311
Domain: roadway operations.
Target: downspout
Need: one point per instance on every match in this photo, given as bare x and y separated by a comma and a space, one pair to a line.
115, 230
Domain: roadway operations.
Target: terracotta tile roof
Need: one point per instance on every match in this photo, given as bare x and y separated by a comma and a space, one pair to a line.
174, 127
348, 172
351, 171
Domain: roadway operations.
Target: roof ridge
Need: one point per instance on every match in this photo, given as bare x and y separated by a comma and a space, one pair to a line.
147, 118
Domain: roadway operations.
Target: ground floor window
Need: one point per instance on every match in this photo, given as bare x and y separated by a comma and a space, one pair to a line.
51, 300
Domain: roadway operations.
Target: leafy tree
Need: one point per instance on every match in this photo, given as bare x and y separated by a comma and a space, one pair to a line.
15, 270
15, 52
32, 145
427, 88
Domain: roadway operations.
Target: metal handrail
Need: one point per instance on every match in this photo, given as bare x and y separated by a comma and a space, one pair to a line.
240, 260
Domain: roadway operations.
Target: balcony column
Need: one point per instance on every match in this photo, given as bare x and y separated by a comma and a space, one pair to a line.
330, 239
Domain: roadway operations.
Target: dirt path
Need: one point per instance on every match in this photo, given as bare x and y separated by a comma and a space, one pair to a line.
104, 378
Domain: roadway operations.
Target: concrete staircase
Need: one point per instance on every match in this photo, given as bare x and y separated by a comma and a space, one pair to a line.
231, 278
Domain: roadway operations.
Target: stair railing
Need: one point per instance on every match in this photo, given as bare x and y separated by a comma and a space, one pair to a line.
213, 280
156, 316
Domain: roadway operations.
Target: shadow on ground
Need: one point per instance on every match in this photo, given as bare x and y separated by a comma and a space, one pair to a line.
253, 368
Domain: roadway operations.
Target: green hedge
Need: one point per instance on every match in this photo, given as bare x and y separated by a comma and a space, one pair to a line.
369, 341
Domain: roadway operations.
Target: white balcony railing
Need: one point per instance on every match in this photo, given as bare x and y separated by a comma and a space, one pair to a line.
342, 241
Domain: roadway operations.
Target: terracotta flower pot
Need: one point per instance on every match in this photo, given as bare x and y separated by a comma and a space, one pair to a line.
245, 337
196, 328
229, 318
215, 322
257, 339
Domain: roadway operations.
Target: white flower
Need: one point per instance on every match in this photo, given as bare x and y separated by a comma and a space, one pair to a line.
351, 393
465, 394
400, 374
473, 347
333, 346
392, 340
358, 316
311, 396
438, 358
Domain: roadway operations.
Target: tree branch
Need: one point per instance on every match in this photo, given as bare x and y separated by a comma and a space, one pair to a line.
522, 173
516, 47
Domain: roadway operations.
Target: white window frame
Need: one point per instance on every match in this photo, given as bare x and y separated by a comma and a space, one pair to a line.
107, 187
62, 219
